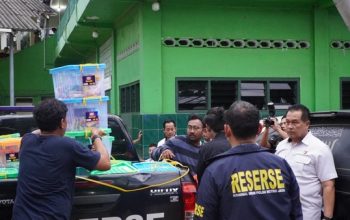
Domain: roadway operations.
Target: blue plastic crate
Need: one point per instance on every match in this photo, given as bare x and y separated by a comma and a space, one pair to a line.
75, 81
87, 112
119, 167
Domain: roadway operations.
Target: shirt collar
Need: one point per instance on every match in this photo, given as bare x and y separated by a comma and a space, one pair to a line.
244, 148
219, 134
306, 140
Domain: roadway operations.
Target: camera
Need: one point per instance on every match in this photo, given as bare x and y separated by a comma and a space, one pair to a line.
271, 108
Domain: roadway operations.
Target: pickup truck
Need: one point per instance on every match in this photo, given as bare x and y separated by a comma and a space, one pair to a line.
173, 200
333, 128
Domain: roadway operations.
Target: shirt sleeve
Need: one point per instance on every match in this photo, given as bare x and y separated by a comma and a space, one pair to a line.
325, 165
201, 164
84, 157
207, 199
159, 150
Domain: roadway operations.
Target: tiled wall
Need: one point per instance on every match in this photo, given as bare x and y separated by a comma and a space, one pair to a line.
152, 128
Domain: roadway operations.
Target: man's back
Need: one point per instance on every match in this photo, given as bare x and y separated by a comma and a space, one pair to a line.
248, 183
210, 149
47, 174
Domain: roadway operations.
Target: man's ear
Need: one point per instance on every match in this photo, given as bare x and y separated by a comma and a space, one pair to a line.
227, 130
63, 124
259, 128
307, 123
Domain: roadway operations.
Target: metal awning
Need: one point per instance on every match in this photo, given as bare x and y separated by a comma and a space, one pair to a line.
22, 15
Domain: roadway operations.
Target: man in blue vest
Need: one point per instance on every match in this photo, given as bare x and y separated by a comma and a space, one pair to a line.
247, 182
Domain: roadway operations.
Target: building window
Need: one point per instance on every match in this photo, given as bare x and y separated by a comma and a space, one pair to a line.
283, 94
253, 92
204, 94
130, 98
24, 101
192, 95
223, 93
345, 93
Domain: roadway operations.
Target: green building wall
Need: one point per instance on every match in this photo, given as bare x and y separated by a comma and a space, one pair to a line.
31, 75
339, 65
139, 56
318, 67
240, 23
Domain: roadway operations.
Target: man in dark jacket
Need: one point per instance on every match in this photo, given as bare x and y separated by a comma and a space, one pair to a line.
183, 148
247, 182
214, 123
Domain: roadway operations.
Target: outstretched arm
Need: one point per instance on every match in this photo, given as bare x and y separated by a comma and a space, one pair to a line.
138, 139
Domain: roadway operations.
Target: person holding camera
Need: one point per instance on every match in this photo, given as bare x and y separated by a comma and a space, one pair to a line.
271, 139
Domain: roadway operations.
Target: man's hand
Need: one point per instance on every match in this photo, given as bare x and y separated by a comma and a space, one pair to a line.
95, 131
276, 126
138, 139
167, 154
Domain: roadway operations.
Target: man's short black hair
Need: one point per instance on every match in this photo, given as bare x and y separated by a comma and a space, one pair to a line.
49, 113
169, 121
305, 112
194, 117
215, 119
243, 119
152, 145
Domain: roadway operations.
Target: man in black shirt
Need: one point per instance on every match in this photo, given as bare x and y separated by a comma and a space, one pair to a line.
214, 123
48, 162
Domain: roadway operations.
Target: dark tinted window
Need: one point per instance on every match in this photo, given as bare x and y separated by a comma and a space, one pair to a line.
203, 94
17, 125
130, 98
122, 148
223, 93
283, 94
253, 92
192, 95
345, 94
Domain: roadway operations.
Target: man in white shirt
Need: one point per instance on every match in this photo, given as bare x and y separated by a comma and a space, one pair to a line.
312, 163
169, 130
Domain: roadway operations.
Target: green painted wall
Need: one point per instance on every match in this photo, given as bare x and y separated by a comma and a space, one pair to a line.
157, 66
32, 78
235, 23
151, 86
339, 65
140, 56
127, 36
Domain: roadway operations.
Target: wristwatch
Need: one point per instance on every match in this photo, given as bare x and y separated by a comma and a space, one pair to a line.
326, 218
94, 137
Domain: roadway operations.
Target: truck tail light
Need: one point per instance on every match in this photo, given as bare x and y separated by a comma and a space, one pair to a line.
189, 199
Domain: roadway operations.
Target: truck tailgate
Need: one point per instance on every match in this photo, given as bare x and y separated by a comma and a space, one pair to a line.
95, 201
